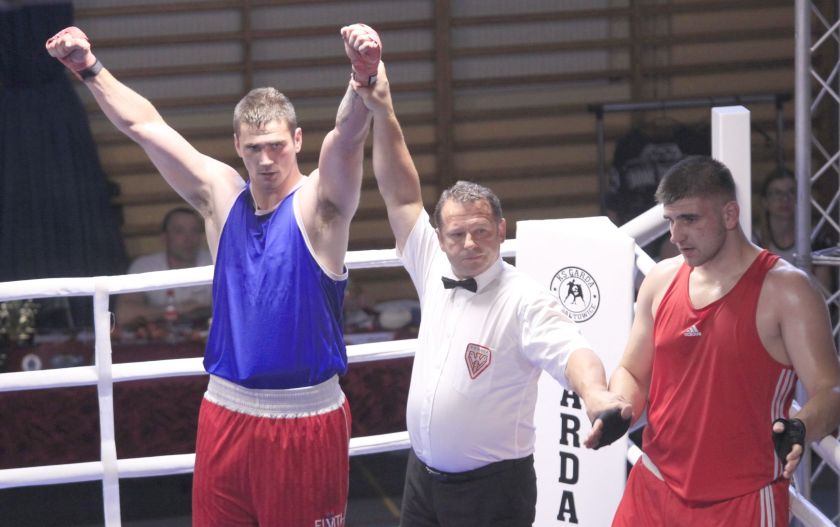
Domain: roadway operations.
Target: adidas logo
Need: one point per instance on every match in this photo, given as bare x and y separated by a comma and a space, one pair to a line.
692, 331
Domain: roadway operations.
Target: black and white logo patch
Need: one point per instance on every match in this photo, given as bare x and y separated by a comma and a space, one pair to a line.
578, 293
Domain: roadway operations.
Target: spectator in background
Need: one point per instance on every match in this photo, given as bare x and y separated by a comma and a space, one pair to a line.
359, 314
641, 158
776, 229
182, 234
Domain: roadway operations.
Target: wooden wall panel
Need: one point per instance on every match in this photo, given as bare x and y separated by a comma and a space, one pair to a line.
489, 90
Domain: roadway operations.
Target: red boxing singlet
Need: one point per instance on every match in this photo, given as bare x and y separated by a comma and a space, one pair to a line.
715, 392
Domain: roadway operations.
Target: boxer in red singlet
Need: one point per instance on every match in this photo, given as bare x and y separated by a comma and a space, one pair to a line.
721, 334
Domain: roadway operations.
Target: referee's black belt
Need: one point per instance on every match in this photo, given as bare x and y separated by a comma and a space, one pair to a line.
480, 472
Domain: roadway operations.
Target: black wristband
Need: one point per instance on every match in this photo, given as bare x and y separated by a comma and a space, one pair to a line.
92, 71
793, 434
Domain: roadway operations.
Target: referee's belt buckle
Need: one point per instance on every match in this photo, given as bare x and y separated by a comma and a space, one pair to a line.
444, 476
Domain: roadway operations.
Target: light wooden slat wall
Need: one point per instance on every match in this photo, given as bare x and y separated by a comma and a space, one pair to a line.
488, 90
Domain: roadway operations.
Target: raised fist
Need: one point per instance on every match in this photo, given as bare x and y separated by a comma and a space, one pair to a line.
72, 47
364, 49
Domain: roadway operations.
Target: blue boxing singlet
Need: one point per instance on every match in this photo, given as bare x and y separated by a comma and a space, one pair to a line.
277, 315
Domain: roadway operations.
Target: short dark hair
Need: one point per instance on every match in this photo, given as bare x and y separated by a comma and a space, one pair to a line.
467, 192
695, 176
179, 210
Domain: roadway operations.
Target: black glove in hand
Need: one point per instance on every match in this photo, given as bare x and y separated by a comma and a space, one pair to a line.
614, 426
793, 434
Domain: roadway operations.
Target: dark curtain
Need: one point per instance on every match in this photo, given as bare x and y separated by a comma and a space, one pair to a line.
56, 219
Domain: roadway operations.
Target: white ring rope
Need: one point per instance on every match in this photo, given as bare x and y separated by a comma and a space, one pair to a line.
103, 374
138, 371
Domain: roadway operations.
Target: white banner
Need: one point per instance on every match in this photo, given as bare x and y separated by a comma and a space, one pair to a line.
589, 264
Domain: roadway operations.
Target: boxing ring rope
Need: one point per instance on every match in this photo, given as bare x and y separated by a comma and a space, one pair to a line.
103, 374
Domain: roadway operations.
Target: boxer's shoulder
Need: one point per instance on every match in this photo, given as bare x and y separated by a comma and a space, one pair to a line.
786, 275
663, 272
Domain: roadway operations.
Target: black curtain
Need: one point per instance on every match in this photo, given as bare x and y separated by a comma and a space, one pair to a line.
56, 219
55, 213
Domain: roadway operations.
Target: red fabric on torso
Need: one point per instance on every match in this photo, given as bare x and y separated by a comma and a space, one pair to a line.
715, 391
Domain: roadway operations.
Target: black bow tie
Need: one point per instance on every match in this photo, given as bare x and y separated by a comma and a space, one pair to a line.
468, 283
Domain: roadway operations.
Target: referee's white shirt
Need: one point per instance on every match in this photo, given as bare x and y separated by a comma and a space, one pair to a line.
459, 421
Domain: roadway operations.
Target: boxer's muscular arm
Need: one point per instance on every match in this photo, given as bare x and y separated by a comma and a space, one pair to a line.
331, 196
340, 162
631, 379
794, 328
207, 184
799, 312
202, 181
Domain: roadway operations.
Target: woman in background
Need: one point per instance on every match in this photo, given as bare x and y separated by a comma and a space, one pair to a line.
776, 231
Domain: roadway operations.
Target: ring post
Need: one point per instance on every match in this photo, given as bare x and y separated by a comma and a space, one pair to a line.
588, 264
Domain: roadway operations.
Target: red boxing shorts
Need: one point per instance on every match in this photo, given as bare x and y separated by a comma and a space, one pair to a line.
271, 457
648, 501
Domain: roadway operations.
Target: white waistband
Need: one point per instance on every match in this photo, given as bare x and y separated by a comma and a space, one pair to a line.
650, 466
294, 402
